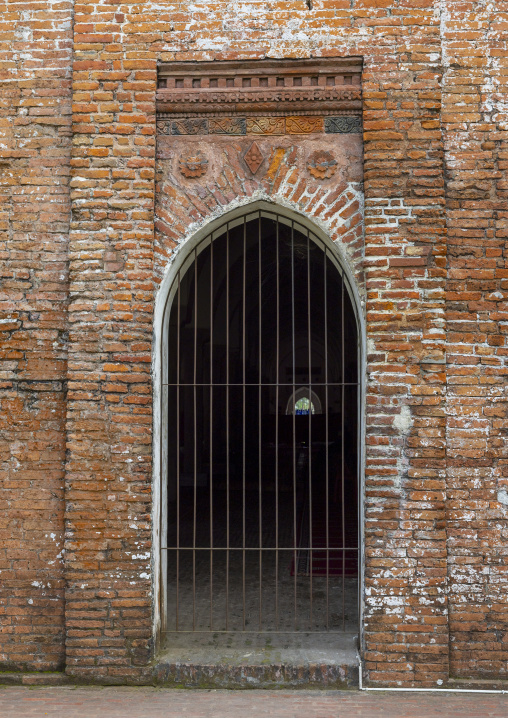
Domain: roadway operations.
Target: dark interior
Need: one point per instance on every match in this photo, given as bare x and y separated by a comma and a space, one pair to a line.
261, 318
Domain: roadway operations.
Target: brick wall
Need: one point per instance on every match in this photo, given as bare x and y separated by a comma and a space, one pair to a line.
108, 606
475, 132
432, 538
36, 42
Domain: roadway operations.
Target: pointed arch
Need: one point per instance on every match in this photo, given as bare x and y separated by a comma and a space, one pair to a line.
183, 258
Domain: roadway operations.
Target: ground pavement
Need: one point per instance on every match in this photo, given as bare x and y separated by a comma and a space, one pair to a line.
124, 702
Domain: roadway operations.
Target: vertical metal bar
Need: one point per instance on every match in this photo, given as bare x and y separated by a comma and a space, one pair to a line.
309, 342
327, 484
277, 360
359, 480
195, 425
243, 411
227, 427
164, 479
342, 461
294, 416
211, 433
260, 499
178, 456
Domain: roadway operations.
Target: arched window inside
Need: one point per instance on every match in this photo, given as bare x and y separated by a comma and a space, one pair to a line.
304, 406
304, 401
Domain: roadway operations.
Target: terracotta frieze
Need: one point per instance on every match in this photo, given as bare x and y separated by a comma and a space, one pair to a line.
304, 125
227, 126
266, 126
343, 124
190, 126
321, 87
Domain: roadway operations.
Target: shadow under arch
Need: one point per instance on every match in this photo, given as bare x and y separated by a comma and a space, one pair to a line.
187, 253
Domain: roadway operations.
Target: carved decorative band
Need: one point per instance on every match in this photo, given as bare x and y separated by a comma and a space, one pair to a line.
274, 109
189, 127
266, 126
343, 124
318, 94
306, 94
260, 125
228, 126
325, 86
319, 101
322, 72
304, 125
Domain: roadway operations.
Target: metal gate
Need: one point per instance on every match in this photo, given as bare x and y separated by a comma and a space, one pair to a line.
262, 398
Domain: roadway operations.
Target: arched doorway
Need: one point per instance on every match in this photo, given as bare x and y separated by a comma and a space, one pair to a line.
261, 502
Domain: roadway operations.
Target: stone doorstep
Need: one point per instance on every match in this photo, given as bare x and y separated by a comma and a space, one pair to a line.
263, 661
283, 676
220, 675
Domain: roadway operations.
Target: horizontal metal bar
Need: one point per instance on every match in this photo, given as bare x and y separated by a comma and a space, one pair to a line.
275, 631
258, 548
290, 383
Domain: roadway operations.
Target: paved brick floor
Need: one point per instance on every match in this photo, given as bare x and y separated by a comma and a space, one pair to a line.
70, 702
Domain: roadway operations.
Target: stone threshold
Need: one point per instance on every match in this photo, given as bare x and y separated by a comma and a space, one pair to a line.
236, 661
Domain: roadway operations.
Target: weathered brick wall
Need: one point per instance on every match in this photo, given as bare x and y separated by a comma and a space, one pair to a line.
108, 601
413, 430
475, 104
36, 44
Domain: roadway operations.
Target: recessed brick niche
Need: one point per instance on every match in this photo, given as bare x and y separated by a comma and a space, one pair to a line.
287, 134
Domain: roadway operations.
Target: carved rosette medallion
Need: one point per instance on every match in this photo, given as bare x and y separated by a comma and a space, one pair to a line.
253, 158
163, 128
322, 165
193, 165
